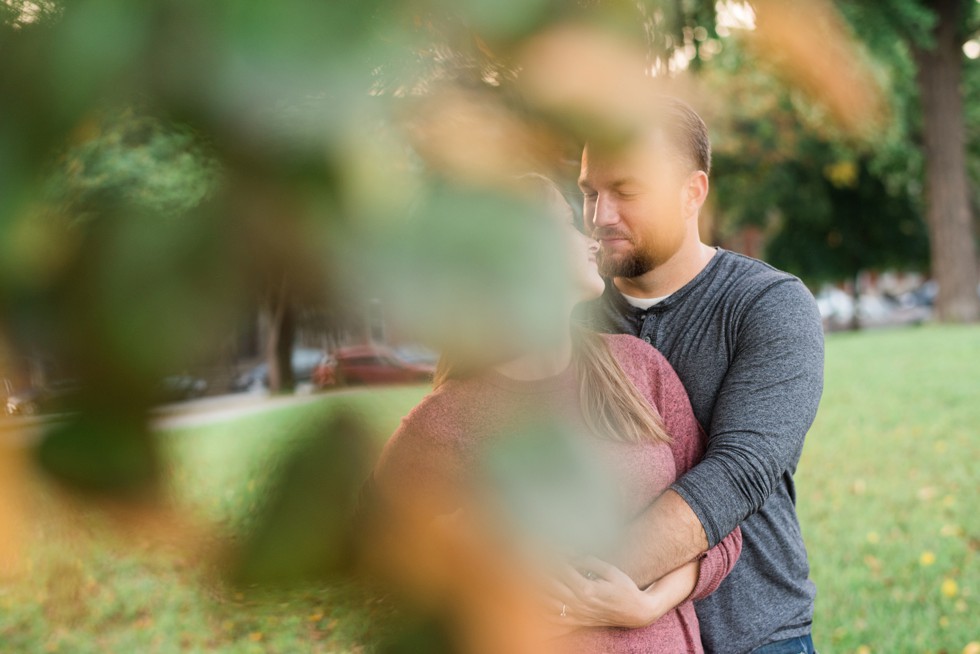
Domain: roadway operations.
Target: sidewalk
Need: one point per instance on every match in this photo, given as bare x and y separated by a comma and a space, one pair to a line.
25, 430
218, 408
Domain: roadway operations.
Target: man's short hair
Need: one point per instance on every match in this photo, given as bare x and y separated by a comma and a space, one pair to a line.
686, 130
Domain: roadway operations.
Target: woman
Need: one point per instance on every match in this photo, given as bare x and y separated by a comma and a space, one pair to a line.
550, 449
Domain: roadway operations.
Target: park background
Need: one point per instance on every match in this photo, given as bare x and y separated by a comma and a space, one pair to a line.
213, 195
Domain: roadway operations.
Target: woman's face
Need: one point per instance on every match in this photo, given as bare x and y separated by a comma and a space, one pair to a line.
581, 254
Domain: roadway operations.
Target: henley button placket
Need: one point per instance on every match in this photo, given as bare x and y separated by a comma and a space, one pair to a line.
649, 325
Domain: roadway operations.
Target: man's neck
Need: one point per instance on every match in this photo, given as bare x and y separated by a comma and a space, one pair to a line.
669, 276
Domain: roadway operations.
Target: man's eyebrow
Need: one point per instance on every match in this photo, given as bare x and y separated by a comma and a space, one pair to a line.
626, 181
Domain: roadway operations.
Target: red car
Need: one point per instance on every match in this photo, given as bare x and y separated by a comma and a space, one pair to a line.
370, 364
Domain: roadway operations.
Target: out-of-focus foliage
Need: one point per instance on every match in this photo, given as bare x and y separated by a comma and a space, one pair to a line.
165, 166
303, 532
935, 36
136, 159
783, 166
831, 205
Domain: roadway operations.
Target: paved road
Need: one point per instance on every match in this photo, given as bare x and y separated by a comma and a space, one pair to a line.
192, 413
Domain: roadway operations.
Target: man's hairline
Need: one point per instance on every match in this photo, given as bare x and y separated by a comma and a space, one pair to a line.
693, 168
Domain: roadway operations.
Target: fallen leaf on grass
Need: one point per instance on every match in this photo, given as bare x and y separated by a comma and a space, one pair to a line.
950, 588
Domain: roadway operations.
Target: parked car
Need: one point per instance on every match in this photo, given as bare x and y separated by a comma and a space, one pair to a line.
52, 398
417, 354
304, 359
176, 388
371, 364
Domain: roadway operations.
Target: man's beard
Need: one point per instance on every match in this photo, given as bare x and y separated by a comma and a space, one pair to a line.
633, 264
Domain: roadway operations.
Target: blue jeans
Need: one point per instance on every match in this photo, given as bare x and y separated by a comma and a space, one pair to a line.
798, 645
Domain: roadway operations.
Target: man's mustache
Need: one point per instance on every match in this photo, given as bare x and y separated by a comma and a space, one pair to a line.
610, 233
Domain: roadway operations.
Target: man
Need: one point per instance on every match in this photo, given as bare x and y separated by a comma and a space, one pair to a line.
747, 342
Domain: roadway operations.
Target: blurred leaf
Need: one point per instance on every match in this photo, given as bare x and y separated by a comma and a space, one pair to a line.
467, 258
101, 452
304, 530
548, 479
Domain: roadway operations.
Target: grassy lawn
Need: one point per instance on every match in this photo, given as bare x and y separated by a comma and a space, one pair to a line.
889, 492
888, 496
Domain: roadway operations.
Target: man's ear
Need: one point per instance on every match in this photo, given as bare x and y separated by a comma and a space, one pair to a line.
695, 192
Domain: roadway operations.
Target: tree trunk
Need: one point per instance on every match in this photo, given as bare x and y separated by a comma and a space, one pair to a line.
952, 246
281, 335
856, 298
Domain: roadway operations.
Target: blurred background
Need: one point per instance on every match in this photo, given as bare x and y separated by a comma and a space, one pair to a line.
234, 237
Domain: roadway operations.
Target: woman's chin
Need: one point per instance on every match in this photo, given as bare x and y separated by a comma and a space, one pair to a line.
592, 287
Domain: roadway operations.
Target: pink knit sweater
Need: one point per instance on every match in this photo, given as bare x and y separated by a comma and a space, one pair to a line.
438, 441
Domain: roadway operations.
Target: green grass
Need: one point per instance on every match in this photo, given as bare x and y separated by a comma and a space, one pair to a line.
887, 493
87, 587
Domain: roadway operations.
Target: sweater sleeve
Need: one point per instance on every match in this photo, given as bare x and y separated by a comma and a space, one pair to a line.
716, 564
688, 447
765, 406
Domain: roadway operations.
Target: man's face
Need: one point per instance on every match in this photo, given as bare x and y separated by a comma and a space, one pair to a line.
634, 205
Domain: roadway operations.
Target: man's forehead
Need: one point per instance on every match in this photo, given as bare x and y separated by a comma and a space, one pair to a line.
631, 162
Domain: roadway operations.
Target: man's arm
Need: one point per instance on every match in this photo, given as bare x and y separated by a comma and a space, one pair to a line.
764, 408
663, 538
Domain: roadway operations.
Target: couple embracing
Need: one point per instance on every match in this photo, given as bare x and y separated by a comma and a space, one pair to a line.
688, 374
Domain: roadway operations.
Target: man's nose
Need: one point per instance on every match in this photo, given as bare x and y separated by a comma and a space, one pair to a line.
605, 213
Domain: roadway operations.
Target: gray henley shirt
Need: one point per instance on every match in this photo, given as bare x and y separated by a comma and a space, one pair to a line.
747, 342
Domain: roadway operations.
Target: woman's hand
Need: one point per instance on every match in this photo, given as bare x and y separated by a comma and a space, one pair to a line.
593, 593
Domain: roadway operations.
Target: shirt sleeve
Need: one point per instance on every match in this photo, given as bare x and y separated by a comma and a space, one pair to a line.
765, 406
688, 447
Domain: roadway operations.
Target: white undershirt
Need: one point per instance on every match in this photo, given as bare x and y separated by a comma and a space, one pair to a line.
643, 302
